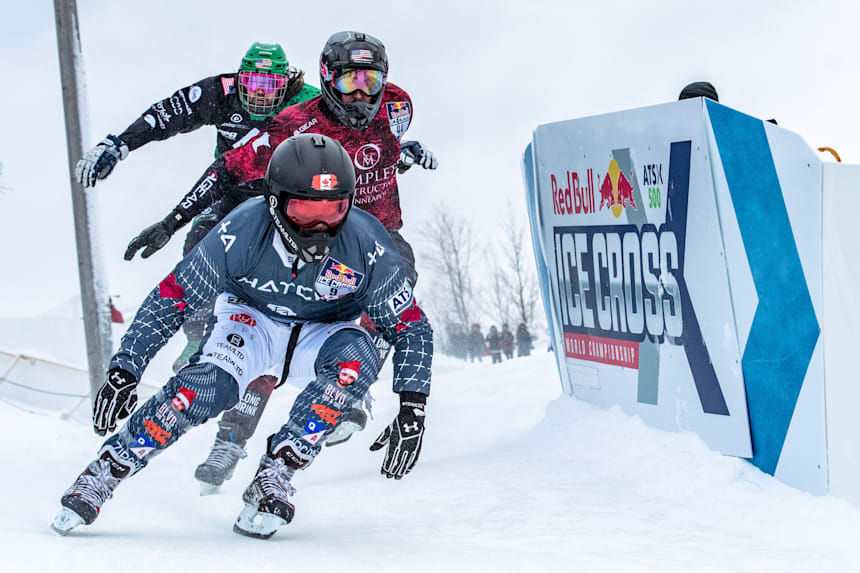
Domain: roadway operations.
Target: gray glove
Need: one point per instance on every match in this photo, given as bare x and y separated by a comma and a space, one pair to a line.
411, 153
98, 162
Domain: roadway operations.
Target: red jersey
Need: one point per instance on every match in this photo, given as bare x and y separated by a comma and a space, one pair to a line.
374, 151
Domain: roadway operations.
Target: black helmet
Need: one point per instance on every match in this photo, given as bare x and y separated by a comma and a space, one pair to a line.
353, 51
310, 180
699, 89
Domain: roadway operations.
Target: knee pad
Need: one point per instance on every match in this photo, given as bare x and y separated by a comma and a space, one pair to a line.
349, 346
346, 366
153, 428
210, 389
239, 423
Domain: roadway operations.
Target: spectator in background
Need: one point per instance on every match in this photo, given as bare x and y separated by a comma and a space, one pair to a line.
524, 340
461, 342
476, 343
494, 342
507, 342
699, 89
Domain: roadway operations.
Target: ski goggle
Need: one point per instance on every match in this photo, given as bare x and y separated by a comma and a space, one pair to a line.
269, 83
309, 212
370, 82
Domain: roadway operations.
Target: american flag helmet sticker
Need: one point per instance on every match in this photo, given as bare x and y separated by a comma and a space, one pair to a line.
361, 56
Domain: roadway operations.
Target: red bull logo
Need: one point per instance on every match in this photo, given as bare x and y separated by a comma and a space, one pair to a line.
616, 192
575, 197
342, 269
335, 273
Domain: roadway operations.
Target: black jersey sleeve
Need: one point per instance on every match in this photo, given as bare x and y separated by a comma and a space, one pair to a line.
185, 110
210, 188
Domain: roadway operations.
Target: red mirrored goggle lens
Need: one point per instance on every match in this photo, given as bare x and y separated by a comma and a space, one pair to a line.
370, 82
269, 83
309, 212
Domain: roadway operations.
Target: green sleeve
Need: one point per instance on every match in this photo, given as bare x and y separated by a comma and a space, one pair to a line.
307, 92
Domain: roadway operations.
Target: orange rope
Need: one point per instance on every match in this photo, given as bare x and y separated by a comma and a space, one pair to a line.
833, 152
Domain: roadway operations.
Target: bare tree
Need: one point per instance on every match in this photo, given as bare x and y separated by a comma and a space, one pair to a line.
500, 295
451, 248
519, 275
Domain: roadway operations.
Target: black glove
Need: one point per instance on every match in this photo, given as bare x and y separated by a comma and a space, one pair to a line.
412, 152
153, 238
98, 162
117, 398
403, 437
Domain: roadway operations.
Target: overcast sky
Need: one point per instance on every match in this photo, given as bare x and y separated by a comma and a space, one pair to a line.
481, 75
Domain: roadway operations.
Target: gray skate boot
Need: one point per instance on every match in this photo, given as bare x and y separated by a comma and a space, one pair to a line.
219, 466
83, 500
267, 505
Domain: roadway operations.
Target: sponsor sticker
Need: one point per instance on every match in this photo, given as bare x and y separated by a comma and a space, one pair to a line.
176, 105
399, 115
401, 300
334, 395
158, 433
336, 280
142, 446
194, 93
243, 318
314, 430
328, 415
367, 156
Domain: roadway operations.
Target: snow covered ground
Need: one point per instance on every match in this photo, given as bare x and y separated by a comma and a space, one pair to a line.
513, 477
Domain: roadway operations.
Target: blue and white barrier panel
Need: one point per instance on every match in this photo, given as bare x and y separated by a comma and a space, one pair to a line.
680, 249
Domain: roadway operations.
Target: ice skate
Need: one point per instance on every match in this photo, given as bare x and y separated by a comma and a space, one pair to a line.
83, 500
219, 466
267, 506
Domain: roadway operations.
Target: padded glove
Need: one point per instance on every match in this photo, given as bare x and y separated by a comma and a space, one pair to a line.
152, 238
403, 437
117, 398
98, 162
411, 153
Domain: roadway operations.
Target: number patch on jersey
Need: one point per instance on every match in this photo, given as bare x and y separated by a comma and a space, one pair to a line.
337, 280
399, 116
